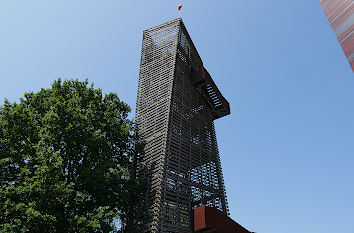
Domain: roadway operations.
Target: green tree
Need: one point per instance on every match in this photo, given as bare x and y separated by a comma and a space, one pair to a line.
66, 160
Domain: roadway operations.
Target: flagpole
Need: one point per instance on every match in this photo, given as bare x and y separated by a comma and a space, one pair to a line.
179, 10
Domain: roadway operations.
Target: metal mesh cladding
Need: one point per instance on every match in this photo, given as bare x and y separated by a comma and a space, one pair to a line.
176, 122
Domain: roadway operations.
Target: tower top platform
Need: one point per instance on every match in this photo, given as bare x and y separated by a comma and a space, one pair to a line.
200, 77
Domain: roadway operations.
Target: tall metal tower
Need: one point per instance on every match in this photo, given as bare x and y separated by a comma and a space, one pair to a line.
176, 107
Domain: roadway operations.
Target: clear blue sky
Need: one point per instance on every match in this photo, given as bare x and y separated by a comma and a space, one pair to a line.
287, 149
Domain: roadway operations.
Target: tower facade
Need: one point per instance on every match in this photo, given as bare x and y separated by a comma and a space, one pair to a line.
176, 107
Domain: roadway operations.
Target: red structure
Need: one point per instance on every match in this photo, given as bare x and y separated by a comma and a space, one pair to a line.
340, 16
211, 220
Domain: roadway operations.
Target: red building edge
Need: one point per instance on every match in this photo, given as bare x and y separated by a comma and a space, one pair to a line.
340, 14
211, 220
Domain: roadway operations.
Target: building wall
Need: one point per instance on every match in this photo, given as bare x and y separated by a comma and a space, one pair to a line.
340, 16
152, 116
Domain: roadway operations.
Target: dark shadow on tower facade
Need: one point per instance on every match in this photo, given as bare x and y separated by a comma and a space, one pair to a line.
176, 108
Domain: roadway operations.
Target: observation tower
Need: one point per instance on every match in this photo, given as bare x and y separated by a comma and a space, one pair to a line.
177, 104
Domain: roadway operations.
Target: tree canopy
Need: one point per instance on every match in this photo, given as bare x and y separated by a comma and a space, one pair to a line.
66, 160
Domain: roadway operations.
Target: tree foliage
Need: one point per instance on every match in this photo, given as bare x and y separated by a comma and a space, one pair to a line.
66, 157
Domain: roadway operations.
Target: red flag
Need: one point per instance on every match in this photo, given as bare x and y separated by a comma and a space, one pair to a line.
179, 7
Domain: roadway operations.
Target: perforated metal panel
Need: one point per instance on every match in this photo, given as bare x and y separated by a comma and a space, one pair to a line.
175, 117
